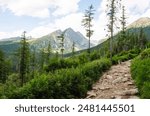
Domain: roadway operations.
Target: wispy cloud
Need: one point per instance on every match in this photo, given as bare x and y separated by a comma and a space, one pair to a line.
40, 8
134, 10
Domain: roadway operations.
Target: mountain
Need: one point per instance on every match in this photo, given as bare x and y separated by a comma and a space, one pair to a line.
142, 22
70, 36
10, 45
134, 27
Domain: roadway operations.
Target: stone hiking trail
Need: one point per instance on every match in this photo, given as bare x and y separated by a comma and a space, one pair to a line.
116, 83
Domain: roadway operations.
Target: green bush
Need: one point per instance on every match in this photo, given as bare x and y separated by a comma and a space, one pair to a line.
56, 64
95, 55
64, 83
75, 61
1, 90
125, 55
140, 70
145, 54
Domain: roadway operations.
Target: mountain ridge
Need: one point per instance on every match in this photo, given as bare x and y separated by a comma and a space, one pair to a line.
141, 22
41, 43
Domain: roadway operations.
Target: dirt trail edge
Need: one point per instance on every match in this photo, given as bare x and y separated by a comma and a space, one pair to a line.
116, 83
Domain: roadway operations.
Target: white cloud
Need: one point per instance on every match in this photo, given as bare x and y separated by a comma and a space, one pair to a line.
72, 20
40, 8
147, 13
66, 15
66, 7
137, 6
134, 10
40, 31
3, 34
10, 34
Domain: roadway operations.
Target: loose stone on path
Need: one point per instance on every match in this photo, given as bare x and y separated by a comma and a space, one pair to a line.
116, 83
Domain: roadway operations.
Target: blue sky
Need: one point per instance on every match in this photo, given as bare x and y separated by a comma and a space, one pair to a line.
41, 17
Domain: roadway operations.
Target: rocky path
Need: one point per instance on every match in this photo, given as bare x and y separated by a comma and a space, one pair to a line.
116, 83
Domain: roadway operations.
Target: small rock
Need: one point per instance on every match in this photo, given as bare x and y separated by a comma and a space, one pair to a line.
134, 97
124, 79
104, 88
118, 80
91, 95
95, 88
109, 77
130, 83
113, 97
118, 97
127, 75
130, 92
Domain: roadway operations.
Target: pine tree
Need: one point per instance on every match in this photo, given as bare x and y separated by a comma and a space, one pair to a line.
4, 68
33, 63
123, 32
142, 39
42, 59
48, 52
73, 49
24, 59
112, 7
123, 23
87, 23
62, 38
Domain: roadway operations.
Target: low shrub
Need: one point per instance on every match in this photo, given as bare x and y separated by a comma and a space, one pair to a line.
63, 83
56, 64
125, 55
140, 70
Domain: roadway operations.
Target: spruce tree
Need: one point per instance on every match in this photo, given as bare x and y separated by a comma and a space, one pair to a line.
112, 9
87, 23
48, 52
4, 68
42, 60
123, 32
33, 63
62, 38
123, 23
73, 49
24, 59
122, 36
142, 39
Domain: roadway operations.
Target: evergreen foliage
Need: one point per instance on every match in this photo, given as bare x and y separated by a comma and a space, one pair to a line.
24, 60
4, 68
87, 23
112, 9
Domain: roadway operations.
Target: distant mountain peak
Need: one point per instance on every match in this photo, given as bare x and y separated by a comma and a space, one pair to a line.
142, 22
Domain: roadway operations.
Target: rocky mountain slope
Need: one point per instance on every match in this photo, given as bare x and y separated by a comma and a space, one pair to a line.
70, 36
11, 44
142, 22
